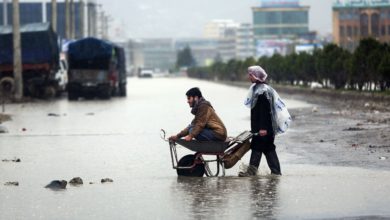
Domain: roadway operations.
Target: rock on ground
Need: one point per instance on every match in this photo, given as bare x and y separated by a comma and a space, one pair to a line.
76, 181
107, 180
57, 184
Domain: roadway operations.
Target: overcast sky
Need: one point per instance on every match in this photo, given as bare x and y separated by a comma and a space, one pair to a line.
184, 18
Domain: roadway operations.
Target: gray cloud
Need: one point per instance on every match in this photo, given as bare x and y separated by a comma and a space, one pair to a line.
183, 18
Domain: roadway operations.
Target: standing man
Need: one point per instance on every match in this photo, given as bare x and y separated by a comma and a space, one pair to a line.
263, 123
206, 125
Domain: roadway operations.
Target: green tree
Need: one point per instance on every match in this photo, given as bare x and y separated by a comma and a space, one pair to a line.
185, 58
339, 69
305, 68
275, 68
332, 64
384, 69
362, 71
291, 68
231, 70
218, 66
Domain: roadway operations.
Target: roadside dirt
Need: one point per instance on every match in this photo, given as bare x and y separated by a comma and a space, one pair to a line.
4, 118
340, 130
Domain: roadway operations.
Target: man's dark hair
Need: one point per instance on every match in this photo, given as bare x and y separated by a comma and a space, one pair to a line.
194, 92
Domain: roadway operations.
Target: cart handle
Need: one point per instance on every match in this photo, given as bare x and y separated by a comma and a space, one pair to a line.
163, 135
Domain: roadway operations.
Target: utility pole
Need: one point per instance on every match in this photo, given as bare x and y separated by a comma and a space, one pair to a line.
17, 52
72, 19
54, 15
82, 25
101, 21
5, 14
67, 19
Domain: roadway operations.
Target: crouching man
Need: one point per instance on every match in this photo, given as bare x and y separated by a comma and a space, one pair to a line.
206, 125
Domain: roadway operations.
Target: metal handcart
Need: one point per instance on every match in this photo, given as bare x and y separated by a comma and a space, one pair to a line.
195, 164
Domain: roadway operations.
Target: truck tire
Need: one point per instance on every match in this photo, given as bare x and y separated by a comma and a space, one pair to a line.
72, 95
49, 92
7, 86
105, 92
89, 95
122, 90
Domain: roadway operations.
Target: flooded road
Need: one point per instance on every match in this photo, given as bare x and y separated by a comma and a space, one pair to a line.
120, 139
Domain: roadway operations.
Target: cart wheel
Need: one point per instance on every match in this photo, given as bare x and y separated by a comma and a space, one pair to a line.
189, 160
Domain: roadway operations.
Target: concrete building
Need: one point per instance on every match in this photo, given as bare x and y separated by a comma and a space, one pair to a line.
77, 23
278, 25
217, 28
135, 56
204, 50
227, 44
225, 32
83, 19
245, 46
235, 40
157, 54
355, 20
283, 19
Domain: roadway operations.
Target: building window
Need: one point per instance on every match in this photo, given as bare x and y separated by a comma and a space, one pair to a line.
30, 13
295, 17
341, 15
349, 31
364, 25
383, 15
272, 18
355, 14
383, 30
342, 30
355, 31
375, 27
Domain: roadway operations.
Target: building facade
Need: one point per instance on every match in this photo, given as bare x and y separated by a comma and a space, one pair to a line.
217, 28
31, 12
204, 50
234, 40
158, 54
83, 17
245, 46
283, 19
355, 20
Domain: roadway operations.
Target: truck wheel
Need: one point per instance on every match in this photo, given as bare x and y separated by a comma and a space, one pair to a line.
122, 90
49, 92
7, 86
105, 93
89, 95
31, 89
186, 161
72, 95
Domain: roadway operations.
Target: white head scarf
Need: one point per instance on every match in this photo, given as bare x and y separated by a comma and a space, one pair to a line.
258, 73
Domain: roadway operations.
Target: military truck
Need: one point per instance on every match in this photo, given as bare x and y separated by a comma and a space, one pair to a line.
96, 68
40, 59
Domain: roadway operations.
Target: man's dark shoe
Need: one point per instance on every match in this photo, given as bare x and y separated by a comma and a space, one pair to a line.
251, 171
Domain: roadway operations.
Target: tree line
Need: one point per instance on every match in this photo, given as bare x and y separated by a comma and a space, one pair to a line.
367, 68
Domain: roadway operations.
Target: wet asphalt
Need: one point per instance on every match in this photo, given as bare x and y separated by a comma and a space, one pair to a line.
120, 139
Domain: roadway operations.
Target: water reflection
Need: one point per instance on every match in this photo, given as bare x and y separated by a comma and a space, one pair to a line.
201, 197
264, 196
255, 197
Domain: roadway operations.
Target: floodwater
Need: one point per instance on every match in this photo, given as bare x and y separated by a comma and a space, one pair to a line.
120, 139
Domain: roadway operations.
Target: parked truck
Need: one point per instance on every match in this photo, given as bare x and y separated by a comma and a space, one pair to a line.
96, 68
40, 59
